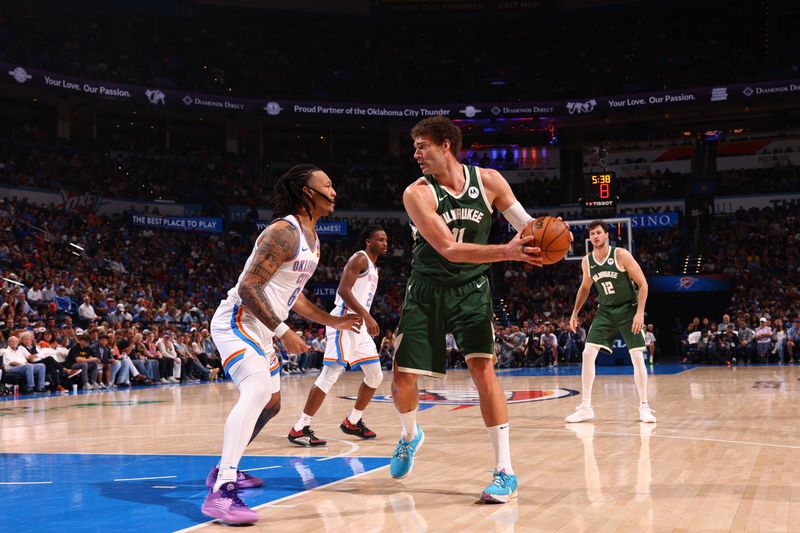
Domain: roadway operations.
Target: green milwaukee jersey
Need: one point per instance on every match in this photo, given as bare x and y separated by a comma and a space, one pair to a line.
468, 215
614, 286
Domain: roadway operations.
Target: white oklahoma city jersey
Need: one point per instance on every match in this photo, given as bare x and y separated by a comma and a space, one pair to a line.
349, 347
236, 331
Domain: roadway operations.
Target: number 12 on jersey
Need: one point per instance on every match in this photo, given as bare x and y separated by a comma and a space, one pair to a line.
608, 287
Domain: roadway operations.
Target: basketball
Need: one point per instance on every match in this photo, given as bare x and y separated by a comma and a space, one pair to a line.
551, 235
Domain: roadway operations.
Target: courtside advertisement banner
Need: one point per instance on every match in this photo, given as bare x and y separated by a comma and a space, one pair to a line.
200, 224
745, 93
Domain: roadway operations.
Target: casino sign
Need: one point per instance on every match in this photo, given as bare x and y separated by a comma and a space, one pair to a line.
469, 397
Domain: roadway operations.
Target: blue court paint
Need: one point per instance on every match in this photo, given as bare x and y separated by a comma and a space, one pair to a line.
626, 370
83, 495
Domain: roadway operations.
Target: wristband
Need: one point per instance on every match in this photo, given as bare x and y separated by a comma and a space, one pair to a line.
517, 216
280, 329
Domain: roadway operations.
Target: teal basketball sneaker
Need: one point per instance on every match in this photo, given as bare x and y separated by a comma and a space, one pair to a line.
502, 489
403, 456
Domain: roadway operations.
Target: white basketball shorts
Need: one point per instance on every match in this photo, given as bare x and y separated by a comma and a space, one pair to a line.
349, 348
244, 344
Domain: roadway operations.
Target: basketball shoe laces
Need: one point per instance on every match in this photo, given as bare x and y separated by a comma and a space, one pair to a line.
500, 479
360, 425
402, 451
233, 495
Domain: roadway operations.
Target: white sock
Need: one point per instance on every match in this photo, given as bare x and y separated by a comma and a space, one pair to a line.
640, 375
587, 374
303, 421
502, 450
254, 393
355, 416
409, 421
225, 475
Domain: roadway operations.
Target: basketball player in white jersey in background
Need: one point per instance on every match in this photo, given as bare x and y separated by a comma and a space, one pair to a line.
284, 257
356, 291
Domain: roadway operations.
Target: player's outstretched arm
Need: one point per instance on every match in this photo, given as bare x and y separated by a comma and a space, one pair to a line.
636, 274
303, 307
421, 208
583, 292
276, 246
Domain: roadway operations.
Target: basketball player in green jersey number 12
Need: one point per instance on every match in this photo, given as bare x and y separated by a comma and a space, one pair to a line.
450, 209
620, 310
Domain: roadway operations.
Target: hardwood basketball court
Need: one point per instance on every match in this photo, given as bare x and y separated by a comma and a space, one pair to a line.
723, 456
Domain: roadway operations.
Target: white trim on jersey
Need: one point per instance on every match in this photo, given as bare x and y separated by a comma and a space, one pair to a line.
466, 185
363, 289
433, 191
483, 191
619, 265
608, 254
290, 278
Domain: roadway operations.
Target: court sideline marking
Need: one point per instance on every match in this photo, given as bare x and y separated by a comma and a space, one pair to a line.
274, 502
622, 434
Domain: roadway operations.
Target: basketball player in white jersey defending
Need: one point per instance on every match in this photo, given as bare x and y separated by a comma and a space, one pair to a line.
284, 257
344, 348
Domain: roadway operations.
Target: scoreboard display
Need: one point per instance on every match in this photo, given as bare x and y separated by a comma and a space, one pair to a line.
600, 189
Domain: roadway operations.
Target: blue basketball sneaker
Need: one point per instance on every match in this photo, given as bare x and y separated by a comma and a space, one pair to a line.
502, 489
403, 456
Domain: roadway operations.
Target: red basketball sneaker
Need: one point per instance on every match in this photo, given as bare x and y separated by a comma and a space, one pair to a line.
358, 429
305, 437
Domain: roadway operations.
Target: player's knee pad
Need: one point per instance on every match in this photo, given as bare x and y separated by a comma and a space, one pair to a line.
328, 376
373, 375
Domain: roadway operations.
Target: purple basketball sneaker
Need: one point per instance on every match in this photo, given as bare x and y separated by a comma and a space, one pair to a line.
225, 505
243, 479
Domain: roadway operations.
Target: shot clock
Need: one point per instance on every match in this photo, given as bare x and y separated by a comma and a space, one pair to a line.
600, 190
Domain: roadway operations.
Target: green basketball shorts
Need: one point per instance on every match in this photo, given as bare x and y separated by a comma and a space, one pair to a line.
611, 320
430, 312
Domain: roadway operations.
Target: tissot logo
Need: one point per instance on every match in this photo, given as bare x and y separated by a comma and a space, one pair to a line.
581, 107
273, 108
155, 96
470, 111
469, 397
20, 75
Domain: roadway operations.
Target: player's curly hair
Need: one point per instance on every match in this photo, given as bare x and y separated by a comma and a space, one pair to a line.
439, 129
366, 233
598, 223
287, 194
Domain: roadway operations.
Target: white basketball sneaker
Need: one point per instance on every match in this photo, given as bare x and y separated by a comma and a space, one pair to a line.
646, 414
581, 414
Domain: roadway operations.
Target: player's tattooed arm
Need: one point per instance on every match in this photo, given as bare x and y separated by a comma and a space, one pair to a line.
277, 245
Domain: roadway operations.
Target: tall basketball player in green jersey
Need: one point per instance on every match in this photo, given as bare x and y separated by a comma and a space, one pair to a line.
450, 208
616, 276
